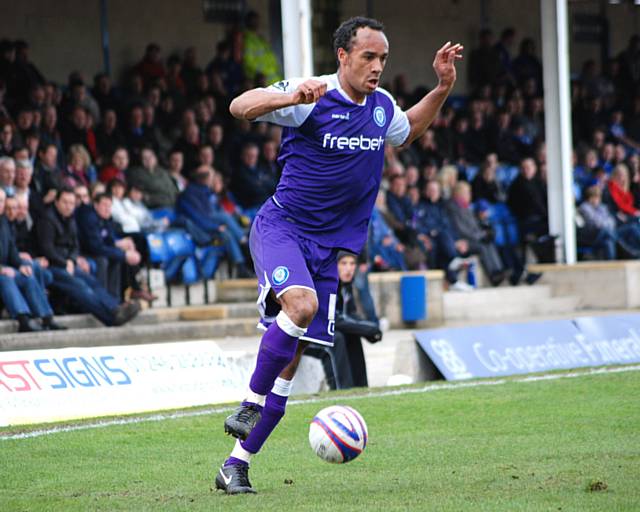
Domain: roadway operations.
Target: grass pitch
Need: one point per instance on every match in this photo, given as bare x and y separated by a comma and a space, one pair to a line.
565, 444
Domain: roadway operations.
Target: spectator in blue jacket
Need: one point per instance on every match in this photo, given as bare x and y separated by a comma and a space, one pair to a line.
385, 250
438, 235
21, 293
400, 208
195, 203
115, 257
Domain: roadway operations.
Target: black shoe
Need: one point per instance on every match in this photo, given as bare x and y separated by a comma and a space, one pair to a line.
29, 325
532, 277
234, 479
49, 324
126, 312
515, 277
242, 421
497, 278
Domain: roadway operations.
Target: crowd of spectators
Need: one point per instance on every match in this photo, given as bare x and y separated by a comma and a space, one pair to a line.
89, 168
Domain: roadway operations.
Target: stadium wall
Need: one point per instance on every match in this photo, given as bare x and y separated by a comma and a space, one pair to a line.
419, 28
65, 35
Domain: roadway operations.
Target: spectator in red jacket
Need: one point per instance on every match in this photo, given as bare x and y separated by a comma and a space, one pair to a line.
620, 193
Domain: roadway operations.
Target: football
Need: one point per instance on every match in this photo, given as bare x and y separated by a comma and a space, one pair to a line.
338, 434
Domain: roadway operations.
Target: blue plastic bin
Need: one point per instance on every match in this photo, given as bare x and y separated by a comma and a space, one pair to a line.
413, 292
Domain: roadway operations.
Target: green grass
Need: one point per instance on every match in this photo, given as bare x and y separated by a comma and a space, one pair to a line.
518, 446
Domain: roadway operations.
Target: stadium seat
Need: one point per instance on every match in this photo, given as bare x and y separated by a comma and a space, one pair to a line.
174, 252
164, 213
209, 259
158, 253
470, 172
506, 174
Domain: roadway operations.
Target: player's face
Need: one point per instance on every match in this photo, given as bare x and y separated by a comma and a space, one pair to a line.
362, 67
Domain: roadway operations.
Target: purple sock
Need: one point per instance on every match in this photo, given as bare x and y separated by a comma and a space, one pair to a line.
271, 415
232, 461
276, 352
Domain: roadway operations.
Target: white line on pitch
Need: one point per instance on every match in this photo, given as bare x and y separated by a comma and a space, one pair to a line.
374, 394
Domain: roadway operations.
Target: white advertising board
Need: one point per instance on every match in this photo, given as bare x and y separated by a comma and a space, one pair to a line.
61, 384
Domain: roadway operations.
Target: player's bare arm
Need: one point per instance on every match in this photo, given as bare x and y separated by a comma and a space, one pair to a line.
258, 102
422, 114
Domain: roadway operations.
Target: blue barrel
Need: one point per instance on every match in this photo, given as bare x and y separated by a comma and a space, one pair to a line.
413, 292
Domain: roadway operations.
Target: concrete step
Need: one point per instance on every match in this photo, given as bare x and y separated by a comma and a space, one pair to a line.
131, 334
510, 309
71, 321
237, 290
155, 316
494, 297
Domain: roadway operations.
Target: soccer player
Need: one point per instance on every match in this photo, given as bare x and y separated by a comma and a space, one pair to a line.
332, 154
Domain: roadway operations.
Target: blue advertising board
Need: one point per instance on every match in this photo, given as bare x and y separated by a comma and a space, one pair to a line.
509, 349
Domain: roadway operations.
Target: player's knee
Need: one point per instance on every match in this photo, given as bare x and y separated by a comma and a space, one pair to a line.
300, 307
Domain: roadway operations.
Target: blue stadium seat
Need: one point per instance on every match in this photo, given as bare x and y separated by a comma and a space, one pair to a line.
209, 259
158, 253
506, 174
189, 271
162, 213
179, 243
471, 172
175, 252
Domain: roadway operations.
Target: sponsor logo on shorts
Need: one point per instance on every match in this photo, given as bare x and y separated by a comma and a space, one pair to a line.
280, 275
379, 116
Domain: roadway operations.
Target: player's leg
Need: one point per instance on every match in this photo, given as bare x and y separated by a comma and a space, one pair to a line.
233, 476
282, 272
272, 413
277, 350
299, 305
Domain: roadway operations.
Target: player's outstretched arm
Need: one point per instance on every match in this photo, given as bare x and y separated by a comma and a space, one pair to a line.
422, 114
258, 102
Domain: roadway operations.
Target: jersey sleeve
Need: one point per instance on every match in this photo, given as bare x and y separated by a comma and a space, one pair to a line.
398, 128
292, 116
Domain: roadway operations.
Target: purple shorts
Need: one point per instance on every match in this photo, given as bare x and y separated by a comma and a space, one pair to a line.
284, 260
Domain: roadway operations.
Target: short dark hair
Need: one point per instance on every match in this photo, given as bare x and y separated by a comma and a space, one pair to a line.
114, 183
64, 190
102, 195
346, 32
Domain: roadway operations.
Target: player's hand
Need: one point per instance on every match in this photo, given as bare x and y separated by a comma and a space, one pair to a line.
26, 270
309, 91
444, 63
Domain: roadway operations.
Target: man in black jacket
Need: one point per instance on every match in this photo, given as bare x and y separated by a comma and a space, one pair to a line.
21, 292
58, 241
348, 365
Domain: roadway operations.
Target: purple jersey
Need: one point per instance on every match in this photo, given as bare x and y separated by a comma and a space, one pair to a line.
332, 155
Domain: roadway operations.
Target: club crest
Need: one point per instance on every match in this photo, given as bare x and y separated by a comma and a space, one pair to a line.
280, 275
379, 116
